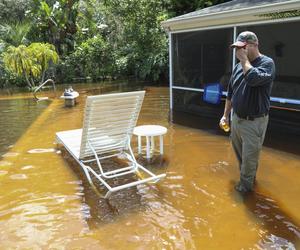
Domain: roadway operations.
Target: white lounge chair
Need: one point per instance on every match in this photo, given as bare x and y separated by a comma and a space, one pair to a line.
108, 125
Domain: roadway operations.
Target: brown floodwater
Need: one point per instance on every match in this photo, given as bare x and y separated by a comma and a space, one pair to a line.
46, 203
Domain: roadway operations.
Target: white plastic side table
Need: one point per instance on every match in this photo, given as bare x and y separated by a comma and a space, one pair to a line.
150, 131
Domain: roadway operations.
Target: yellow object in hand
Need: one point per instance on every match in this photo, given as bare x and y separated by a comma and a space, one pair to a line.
225, 126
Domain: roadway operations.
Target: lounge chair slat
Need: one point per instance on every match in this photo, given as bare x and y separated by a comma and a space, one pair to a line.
108, 124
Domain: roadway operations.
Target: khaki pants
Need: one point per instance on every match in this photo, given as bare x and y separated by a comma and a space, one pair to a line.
247, 137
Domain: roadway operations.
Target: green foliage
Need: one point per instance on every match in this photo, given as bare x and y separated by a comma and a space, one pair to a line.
95, 39
93, 58
55, 23
29, 62
44, 54
89, 20
8, 78
19, 61
180, 7
136, 33
13, 10
14, 33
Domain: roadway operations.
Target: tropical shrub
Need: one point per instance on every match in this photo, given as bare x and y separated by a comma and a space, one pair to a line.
45, 55
136, 34
93, 58
14, 33
8, 79
14, 11
54, 22
30, 62
95, 39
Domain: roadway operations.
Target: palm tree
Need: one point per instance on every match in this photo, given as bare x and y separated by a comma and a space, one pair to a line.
30, 62
15, 33
45, 54
19, 61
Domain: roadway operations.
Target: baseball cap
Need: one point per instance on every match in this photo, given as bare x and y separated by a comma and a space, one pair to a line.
244, 38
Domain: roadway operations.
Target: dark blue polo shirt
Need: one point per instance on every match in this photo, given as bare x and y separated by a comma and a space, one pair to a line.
250, 93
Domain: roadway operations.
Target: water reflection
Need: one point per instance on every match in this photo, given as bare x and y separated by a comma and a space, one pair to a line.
46, 202
16, 116
287, 142
98, 210
278, 229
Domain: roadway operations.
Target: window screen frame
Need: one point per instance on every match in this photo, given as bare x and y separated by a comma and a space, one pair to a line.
235, 27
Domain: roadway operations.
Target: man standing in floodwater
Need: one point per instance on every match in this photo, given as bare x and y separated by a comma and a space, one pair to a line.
248, 96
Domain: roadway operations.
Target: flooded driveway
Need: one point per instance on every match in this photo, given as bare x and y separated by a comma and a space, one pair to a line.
46, 203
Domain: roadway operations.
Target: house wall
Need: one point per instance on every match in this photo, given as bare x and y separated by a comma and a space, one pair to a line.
286, 34
202, 57
279, 41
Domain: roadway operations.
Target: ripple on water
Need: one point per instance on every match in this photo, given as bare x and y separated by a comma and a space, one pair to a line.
18, 176
175, 177
219, 166
10, 154
27, 167
5, 163
41, 150
275, 242
3, 172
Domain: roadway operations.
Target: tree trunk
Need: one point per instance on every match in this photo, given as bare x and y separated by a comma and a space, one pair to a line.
27, 80
32, 82
28, 83
43, 76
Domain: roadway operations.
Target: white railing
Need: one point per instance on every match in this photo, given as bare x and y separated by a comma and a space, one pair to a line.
41, 86
224, 93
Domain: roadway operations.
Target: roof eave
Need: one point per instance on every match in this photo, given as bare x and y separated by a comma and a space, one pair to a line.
256, 10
